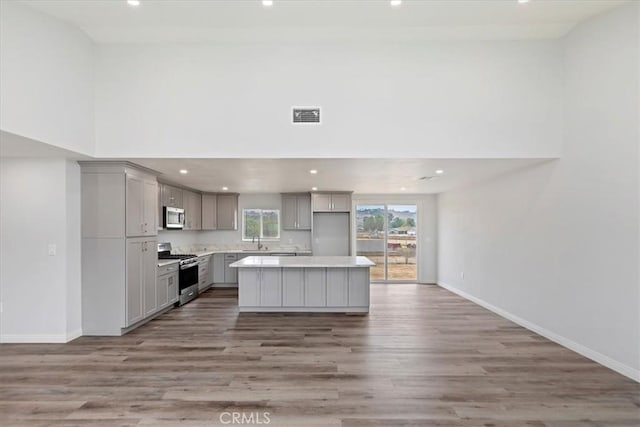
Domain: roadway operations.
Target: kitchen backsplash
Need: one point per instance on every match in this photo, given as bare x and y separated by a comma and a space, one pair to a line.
231, 239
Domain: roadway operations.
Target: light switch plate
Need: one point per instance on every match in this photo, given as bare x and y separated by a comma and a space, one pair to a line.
52, 249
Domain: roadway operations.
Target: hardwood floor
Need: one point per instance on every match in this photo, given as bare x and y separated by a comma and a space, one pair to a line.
422, 357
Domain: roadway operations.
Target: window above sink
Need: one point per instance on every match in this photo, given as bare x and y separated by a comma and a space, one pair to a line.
263, 224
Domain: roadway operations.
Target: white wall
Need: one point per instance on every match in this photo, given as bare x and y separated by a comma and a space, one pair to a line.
229, 238
427, 228
428, 99
556, 246
46, 79
39, 206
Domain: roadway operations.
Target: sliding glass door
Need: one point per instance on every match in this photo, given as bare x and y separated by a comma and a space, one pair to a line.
387, 234
370, 237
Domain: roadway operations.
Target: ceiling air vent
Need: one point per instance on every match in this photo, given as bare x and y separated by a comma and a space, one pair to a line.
306, 115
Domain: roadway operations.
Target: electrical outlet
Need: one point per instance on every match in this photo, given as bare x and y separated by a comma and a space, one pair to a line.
290, 241
52, 249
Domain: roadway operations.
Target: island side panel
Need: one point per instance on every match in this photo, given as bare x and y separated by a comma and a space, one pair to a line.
359, 287
248, 287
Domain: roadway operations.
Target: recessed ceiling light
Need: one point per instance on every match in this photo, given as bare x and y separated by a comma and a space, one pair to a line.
439, 171
523, 1
313, 171
314, 188
267, 3
225, 188
184, 171
133, 2
403, 189
396, 3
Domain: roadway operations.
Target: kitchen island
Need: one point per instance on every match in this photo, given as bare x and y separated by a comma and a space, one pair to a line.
338, 284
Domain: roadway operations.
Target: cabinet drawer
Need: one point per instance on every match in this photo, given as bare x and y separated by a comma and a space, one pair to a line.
166, 269
231, 256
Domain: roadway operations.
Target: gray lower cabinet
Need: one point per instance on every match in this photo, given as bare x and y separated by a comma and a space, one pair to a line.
218, 268
167, 286
230, 274
270, 287
203, 272
262, 287
222, 273
134, 287
315, 281
141, 255
212, 269
337, 287
292, 287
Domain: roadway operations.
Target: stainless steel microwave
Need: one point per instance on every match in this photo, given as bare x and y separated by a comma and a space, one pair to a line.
173, 218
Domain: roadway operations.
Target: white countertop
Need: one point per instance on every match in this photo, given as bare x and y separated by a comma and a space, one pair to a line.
246, 251
303, 262
163, 262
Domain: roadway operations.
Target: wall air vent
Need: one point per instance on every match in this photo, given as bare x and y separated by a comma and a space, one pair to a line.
306, 115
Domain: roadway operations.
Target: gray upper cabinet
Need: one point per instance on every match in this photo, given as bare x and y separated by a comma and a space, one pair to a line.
141, 205
321, 202
296, 212
341, 202
227, 212
331, 202
172, 196
209, 212
192, 210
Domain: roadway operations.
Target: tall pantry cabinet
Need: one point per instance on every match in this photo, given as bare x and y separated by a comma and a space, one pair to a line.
119, 246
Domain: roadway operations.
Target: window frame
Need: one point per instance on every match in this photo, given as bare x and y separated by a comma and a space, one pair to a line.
246, 238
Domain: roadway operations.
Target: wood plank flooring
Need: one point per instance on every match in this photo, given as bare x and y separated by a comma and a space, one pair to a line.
422, 357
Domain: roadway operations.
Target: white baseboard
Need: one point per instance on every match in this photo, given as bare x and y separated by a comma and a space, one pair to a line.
40, 339
74, 334
33, 339
598, 357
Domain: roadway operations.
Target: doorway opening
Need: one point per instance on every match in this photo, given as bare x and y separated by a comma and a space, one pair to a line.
387, 234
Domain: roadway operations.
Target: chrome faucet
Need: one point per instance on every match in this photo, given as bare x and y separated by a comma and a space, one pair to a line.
254, 240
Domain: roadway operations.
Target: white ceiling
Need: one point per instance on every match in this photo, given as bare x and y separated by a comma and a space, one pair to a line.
109, 21
365, 176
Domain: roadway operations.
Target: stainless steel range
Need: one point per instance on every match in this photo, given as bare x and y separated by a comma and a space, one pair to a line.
188, 273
